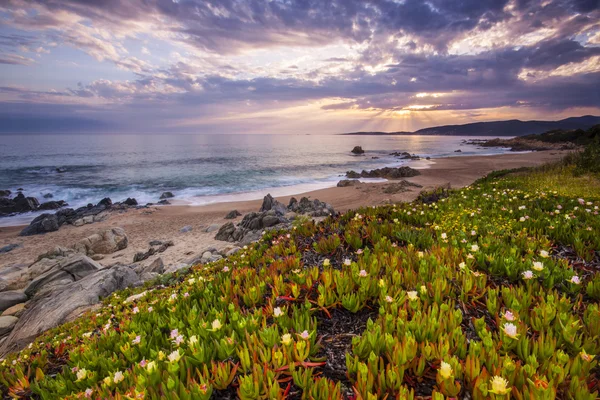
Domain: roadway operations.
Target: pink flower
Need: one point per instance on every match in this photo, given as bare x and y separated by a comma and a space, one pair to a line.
304, 335
150, 309
225, 269
174, 333
575, 279
143, 363
359, 251
186, 294
362, 273
136, 310
509, 316
137, 340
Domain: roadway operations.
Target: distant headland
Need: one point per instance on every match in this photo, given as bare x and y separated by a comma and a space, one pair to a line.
513, 127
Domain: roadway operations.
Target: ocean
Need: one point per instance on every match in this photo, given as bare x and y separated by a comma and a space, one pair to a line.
198, 169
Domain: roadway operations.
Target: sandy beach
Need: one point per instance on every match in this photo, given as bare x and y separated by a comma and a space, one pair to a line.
164, 223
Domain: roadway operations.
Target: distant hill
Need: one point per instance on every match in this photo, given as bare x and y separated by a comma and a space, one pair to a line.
512, 127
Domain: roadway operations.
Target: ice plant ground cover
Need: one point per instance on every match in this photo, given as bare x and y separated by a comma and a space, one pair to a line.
488, 292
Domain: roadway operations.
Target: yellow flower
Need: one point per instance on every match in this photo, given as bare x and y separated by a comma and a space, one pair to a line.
326, 262
423, 289
161, 355
538, 266
499, 385
107, 381
412, 295
445, 370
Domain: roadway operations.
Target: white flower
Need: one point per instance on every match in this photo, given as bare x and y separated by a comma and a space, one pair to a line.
510, 330
174, 356
286, 339
474, 248
473, 233
347, 261
389, 299
462, 265
88, 392
538, 266
362, 273
445, 370
81, 374
444, 236
136, 310
118, 377
226, 269
499, 385
277, 312
522, 219
575, 279
544, 254
150, 309
412, 295
304, 335
216, 325
193, 340
527, 275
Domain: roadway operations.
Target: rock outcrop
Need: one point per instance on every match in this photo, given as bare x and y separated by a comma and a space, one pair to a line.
357, 150
399, 187
233, 214
166, 195
348, 182
387, 173
57, 307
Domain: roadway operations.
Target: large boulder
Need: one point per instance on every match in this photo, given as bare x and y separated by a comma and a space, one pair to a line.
41, 224
10, 298
13, 277
270, 204
131, 201
166, 195
52, 205
63, 272
104, 242
225, 232
55, 308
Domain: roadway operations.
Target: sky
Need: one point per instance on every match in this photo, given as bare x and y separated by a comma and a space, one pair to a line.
293, 66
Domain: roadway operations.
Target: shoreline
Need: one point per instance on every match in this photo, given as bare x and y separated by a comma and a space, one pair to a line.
165, 222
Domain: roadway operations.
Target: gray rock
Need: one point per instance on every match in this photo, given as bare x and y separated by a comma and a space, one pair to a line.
59, 307
48, 196
269, 203
166, 195
186, 228
8, 247
232, 251
155, 242
156, 267
41, 224
104, 242
52, 205
11, 298
233, 214
14, 277
399, 187
212, 228
270, 220
131, 202
7, 324
290, 215
225, 232
206, 255
5, 193
71, 269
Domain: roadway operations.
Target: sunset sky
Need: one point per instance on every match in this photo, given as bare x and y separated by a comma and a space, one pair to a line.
293, 66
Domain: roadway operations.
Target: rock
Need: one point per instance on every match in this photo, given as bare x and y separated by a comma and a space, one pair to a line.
106, 202
57, 251
97, 257
166, 195
155, 242
232, 251
458, 151
48, 196
19, 204
105, 242
269, 203
131, 202
15, 310
428, 158
387, 172
357, 150
13, 277
233, 214
5, 193
398, 187
313, 208
70, 269
225, 232
165, 245
212, 228
186, 228
56, 308
41, 224
270, 220
164, 202
8, 247
141, 256
7, 324
52, 205
206, 255
61, 170
155, 267
348, 182
290, 215
11, 298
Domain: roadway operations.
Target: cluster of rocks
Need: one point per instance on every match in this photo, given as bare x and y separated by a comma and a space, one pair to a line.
156, 246
83, 215
22, 204
271, 214
400, 187
405, 155
387, 173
